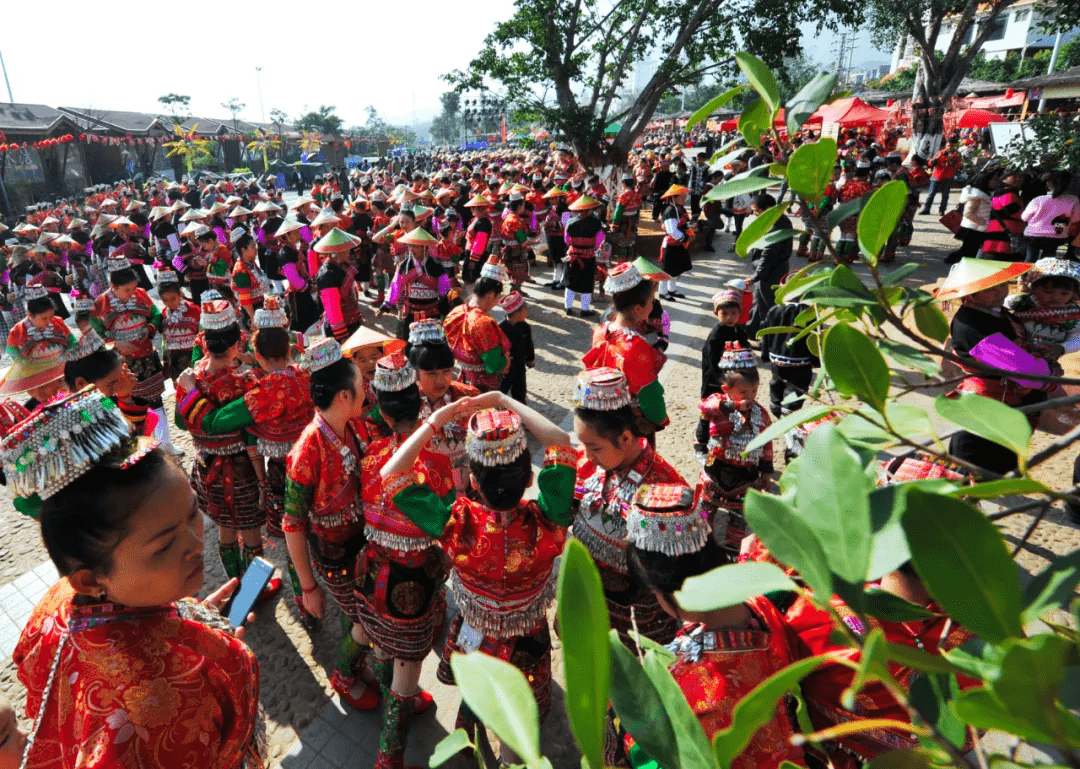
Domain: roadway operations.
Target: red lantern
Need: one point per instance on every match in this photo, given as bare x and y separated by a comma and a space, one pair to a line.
348, 144
1010, 93
24, 146
888, 103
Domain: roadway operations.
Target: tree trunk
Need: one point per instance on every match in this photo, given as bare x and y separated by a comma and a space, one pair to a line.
927, 112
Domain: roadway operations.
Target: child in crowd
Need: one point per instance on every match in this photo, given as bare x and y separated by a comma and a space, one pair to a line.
735, 419
720, 655
522, 354
792, 363
1049, 310
179, 323
727, 307
854, 188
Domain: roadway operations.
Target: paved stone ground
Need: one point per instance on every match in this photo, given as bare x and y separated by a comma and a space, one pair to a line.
309, 727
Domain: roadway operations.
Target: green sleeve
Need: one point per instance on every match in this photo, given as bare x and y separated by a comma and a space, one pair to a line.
155, 317
494, 360
556, 492
520, 236
241, 280
298, 499
424, 508
219, 268
618, 214
196, 354
651, 400
226, 419
99, 326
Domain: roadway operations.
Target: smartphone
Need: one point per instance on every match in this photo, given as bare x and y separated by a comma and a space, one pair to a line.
243, 598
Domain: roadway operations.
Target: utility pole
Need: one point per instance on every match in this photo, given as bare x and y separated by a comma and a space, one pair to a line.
258, 82
8, 82
1052, 67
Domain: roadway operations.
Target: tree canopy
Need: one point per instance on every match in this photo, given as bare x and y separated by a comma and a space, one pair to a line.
572, 63
323, 121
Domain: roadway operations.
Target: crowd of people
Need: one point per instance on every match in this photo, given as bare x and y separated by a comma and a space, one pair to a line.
396, 468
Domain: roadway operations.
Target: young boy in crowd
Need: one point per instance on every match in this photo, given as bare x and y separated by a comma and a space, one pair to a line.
727, 307
792, 363
1048, 310
735, 419
522, 354
179, 324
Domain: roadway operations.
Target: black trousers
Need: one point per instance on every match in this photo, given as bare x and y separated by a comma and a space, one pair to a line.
798, 378
513, 384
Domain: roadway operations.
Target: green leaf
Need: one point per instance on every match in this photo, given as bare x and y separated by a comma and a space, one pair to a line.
976, 658
664, 654
917, 659
761, 78
900, 759
806, 101
811, 274
789, 539
900, 274
784, 425
888, 547
741, 186
855, 365
983, 710
931, 694
1000, 488
759, 707
757, 229
778, 170
1028, 681
844, 211
1053, 587
776, 330
754, 121
964, 564
774, 236
871, 667
906, 355
889, 606
501, 698
931, 322
448, 747
692, 744
638, 704
731, 585
836, 296
809, 169
988, 419
712, 105
583, 627
879, 218
836, 504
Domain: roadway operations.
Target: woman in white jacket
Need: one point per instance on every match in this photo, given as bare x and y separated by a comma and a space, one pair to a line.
977, 205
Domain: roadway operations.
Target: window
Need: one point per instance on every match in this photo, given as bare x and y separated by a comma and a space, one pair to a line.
998, 32
1023, 15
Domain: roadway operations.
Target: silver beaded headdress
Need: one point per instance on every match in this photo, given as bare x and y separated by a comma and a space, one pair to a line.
115, 264
663, 519
393, 373
62, 440
36, 291
601, 389
622, 277
89, 343
495, 437
217, 314
429, 330
322, 353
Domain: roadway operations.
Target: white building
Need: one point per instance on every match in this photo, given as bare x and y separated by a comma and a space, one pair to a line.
1018, 29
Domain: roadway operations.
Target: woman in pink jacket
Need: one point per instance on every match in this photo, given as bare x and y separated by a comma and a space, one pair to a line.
1051, 218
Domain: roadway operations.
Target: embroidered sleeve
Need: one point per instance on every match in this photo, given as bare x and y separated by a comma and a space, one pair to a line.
418, 502
556, 484
298, 500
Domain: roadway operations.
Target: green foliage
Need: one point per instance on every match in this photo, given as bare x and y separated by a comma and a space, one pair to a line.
499, 695
583, 627
322, 121
1050, 142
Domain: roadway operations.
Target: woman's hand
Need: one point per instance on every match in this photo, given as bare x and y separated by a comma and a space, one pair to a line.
489, 400
186, 380
220, 597
459, 409
314, 601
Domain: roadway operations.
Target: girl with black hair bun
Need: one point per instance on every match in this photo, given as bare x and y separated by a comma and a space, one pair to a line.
503, 548
124, 530
324, 523
401, 571
615, 460
126, 316
734, 647
302, 307
515, 233
249, 281
433, 360
225, 479
479, 345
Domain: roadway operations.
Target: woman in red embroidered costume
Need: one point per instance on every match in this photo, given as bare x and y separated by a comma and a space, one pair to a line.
614, 461
418, 289
433, 360
515, 233
37, 345
249, 282
128, 317
478, 238
503, 549
678, 235
121, 667
366, 348
720, 655
323, 524
224, 476
302, 307
479, 345
179, 323
811, 628
619, 344
402, 571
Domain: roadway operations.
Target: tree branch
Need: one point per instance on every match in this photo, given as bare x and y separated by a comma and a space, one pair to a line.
620, 68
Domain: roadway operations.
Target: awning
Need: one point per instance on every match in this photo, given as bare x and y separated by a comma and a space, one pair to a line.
999, 102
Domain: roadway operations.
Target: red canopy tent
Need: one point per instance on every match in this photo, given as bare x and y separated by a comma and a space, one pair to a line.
974, 118
851, 111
